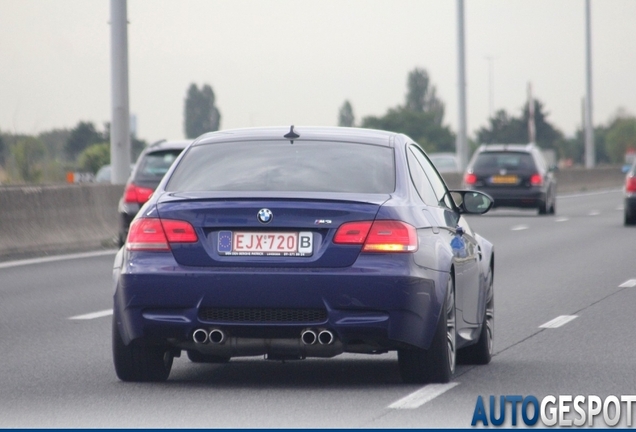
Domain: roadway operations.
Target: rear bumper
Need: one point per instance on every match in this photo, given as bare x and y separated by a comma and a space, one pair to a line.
373, 306
515, 197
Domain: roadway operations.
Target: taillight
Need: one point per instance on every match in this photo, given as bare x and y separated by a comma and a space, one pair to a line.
352, 232
152, 234
630, 184
536, 180
137, 194
379, 236
470, 179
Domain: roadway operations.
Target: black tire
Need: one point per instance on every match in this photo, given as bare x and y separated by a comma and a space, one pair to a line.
137, 362
552, 209
630, 219
437, 364
197, 357
543, 208
481, 352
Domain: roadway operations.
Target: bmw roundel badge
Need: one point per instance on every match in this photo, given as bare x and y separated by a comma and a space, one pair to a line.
265, 215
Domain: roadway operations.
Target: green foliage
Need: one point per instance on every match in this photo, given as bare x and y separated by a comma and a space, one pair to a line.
345, 115
621, 135
421, 118
82, 136
421, 95
505, 129
421, 126
3, 149
55, 142
200, 113
27, 152
94, 157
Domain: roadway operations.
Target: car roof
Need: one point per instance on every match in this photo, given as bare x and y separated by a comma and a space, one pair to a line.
507, 147
370, 136
168, 145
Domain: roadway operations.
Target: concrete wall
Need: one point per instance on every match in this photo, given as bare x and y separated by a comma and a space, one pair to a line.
37, 220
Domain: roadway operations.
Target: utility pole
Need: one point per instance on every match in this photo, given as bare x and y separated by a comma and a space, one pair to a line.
491, 86
120, 118
461, 143
590, 157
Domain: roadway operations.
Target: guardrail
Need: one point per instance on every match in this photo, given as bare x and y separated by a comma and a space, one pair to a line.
37, 220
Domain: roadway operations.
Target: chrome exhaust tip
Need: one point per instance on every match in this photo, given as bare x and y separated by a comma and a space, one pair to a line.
200, 336
325, 337
217, 336
308, 337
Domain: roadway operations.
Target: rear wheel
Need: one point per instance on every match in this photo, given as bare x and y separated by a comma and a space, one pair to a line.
630, 218
197, 357
543, 208
437, 364
481, 352
137, 362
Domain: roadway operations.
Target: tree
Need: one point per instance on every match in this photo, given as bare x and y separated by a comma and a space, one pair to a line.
621, 136
82, 136
421, 96
345, 115
3, 148
94, 157
421, 126
420, 118
200, 113
27, 152
504, 129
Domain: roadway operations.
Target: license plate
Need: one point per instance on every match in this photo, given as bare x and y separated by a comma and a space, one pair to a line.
504, 179
246, 243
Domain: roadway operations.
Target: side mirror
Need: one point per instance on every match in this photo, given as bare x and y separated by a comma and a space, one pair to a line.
472, 202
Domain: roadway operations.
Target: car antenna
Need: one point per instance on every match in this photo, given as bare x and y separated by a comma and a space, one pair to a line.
291, 135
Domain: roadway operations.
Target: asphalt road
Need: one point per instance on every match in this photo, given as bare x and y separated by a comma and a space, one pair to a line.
57, 372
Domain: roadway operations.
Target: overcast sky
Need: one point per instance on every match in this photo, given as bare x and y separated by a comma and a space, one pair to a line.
280, 62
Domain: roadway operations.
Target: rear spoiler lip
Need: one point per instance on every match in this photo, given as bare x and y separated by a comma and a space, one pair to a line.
377, 199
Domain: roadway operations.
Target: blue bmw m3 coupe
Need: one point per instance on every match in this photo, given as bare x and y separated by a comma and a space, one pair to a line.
295, 242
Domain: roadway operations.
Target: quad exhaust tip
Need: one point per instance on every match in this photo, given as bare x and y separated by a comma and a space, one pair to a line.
214, 336
323, 337
308, 337
200, 336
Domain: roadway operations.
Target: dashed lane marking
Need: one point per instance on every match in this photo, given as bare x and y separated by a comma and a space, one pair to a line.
519, 228
422, 396
18, 263
628, 284
594, 213
93, 315
558, 321
562, 219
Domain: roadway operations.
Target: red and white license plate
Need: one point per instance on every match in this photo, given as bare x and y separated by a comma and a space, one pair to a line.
265, 243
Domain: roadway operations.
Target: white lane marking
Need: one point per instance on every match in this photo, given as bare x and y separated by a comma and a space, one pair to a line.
620, 208
519, 228
558, 321
628, 284
594, 213
93, 315
421, 396
562, 219
19, 263
585, 194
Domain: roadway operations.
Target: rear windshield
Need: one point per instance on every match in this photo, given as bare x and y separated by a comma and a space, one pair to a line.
154, 165
311, 166
511, 161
